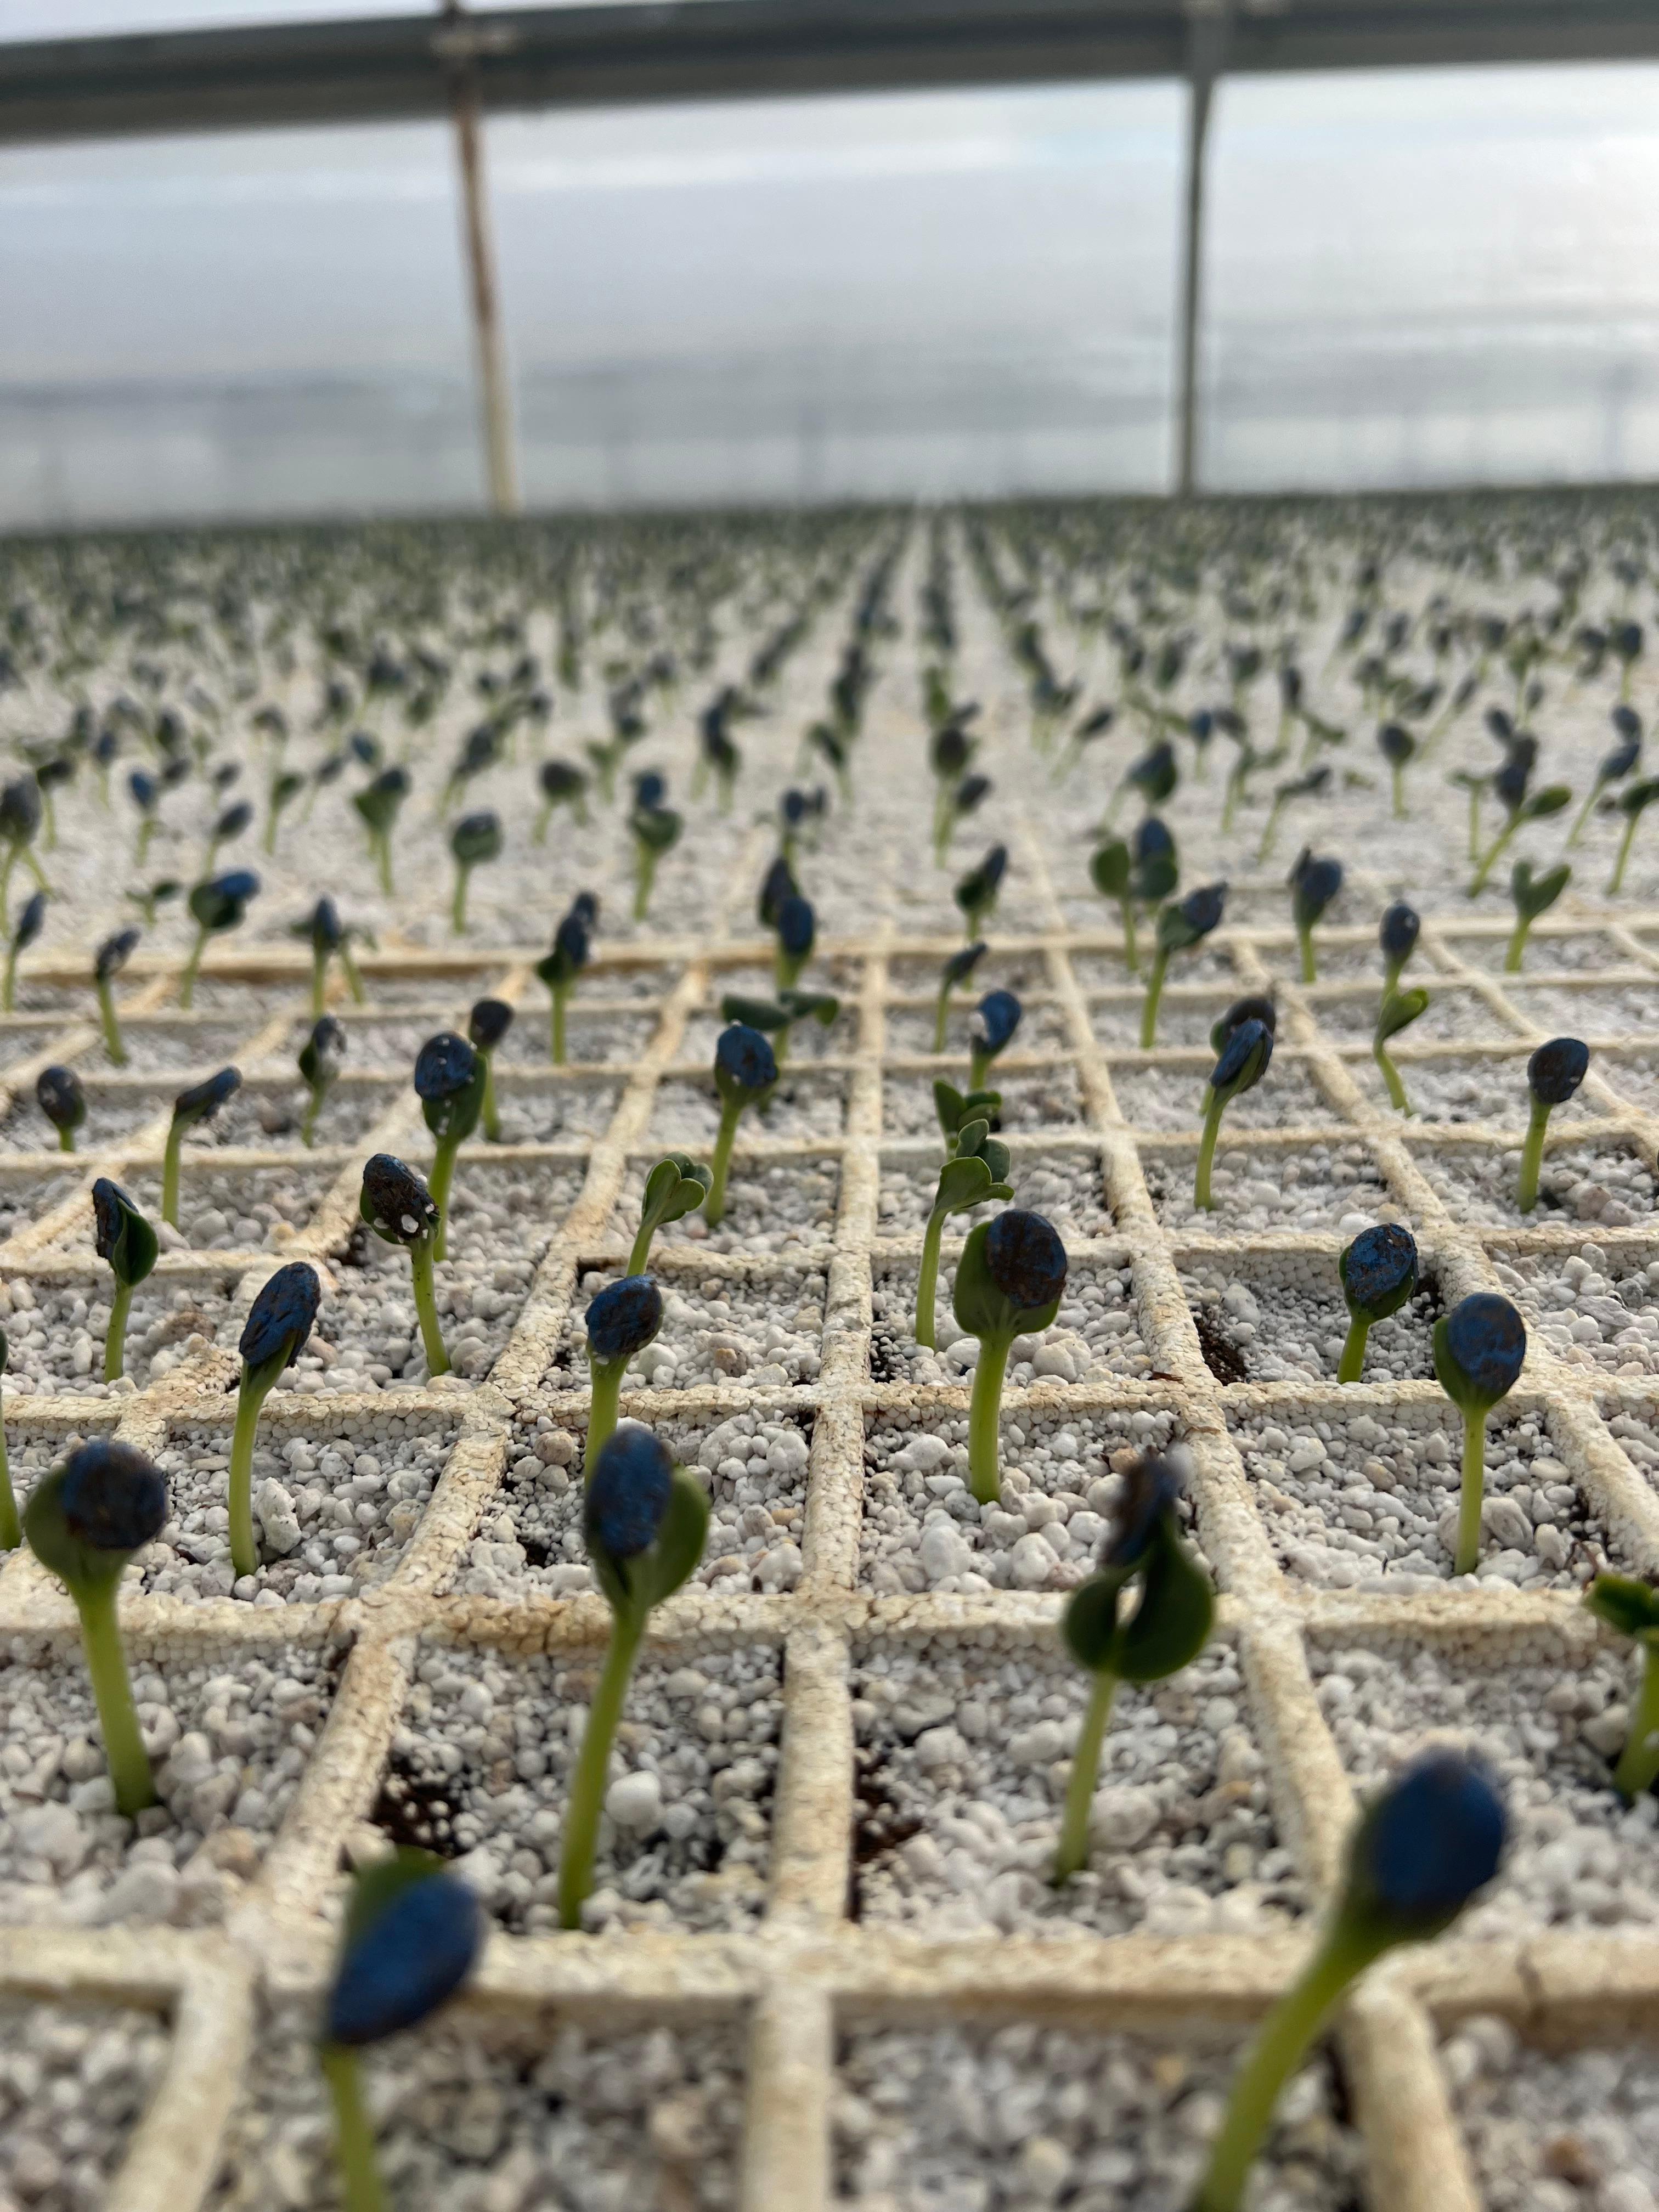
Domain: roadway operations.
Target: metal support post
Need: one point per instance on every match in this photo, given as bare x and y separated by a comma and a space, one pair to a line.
458, 46
1206, 39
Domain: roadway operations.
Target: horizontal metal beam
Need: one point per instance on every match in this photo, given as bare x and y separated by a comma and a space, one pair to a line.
398, 69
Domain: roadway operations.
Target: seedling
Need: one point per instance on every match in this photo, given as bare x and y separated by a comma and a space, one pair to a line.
1154, 776
562, 785
1398, 1010
30, 923
475, 839
1614, 768
11, 1528
656, 830
319, 1069
1314, 885
1109, 873
1241, 1064
1633, 803
216, 906
328, 935
380, 805
199, 1104
1165, 1633
1397, 934
996, 1017
1010, 1281
84, 1522
1398, 747
976, 1172
1479, 1347
677, 1186
20, 821
283, 789
621, 1321
1427, 1844
1553, 1074
128, 1242
796, 931
59, 1094
976, 894
1180, 927
1511, 785
1252, 1008
777, 884
1533, 895
956, 971
572, 948
449, 1082
486, 1025
746, 1074
646, 1521
412, 1934
398, 1207
1307, 786
1379, 1271
232, 824
279, 1322
1632, 1608
777, 1017
112, 956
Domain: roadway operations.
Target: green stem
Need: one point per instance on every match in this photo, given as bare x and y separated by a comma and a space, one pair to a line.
1517, 945
1399, 792
984, 1419
11, 1528
65, 1139
170, 1174
1202, 1202
645, 873
491, 1119
1073, 1853
187, 981
581, 1820
639, 1257
426, 1307
1583, 815
382, 843
354, 2138
256, 1385
928, 1281
538, 833
8, 997
1352, 1364
308, 1126
1500, 844
1617, 882
1397, 1097
458, 904
1639, 1761
318, 980
940, 1013
112, 1689
1130, 947
1305, 938
607, 1382
1154, 993
113, 1042
443, 1169
1474, 823
1279, 2043
1269, 832
115, 1337
560, 992
713, 1206
1532, 1156
354, 981
1474, 1495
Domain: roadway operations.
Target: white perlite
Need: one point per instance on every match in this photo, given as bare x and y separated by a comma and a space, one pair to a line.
1565, 2131
74, 2080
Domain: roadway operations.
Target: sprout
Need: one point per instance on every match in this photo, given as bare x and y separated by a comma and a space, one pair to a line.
279, 1319
1165, 1633
1010, 1281
319, 1069
976, 1172
20, 820
128, 1242
976, 894
645, 1521
449, 1082
112, 956
621, 1321
412, 1934
777, 884
1614, 768
1251, 1008
1243, 1062
1314, 885
284, 788
1307, 786
656, 830
1633, 803
1397, 935
1422, 1848
199, 1104
562, 785
1109, 873
233, 823
30, 923
995, 1019
571, 947
216, 905
796, 931
1533, 895
1379, 1275
50, 773
745, 1072
956, 969
1398, 747
1479, 1347
1397, 1011
83, 1523
475, 839
677, 1186
487, 1024
11, 1528
1632, 1608
1553, 1074
775, 1017
1180, 927
398, 1207
57, 1092
380, 804
328, 935
955, 1109
1511, 785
